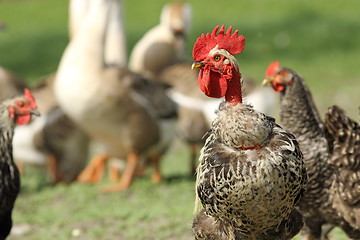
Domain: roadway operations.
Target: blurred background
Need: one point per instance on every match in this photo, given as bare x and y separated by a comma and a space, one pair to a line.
318, 39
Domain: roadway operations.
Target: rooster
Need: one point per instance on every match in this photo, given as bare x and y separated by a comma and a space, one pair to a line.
195, 111
299, 115
18, 110
251, 172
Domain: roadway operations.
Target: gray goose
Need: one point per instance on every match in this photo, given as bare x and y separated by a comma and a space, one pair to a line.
299, 115
58, 137
251, 172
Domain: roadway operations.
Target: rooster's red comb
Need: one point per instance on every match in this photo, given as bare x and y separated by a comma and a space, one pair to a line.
30, 97
271, 68
233, 43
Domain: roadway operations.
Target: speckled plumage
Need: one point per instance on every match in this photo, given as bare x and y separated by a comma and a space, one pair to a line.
206, 227
251, 171
252, 190
343, 135
300, 116
9, 174
13, 111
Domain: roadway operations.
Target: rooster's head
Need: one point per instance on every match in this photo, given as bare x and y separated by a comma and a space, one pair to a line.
22, 108
219, 74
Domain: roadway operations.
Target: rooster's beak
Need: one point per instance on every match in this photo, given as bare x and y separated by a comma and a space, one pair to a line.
197, 65
268, 80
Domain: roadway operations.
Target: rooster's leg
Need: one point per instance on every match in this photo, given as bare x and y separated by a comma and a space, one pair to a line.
94, 170
128, 175
53, 169
156, 177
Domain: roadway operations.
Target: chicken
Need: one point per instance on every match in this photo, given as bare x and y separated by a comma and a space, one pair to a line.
251, 172
207, 227
299, 115
343, 136
51, 139
13, 111
116, 107
196, 111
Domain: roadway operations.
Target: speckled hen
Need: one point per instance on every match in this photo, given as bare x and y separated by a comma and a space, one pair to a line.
343, 136
18, 110
251, 171
300, 116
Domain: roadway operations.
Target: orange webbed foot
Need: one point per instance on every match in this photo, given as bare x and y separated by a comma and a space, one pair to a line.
94, 171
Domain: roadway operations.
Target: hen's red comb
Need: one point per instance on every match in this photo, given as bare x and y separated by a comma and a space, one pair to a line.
30, 98
271, 68
233, 43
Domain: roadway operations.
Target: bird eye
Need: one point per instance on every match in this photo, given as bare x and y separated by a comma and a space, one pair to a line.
20, 103
217, 58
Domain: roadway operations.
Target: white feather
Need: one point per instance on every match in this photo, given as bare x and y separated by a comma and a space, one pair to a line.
23, 142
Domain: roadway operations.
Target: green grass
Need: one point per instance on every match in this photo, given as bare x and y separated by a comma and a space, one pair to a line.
146, 211
318, 39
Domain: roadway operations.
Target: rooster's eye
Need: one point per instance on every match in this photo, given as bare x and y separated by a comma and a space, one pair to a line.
217, 58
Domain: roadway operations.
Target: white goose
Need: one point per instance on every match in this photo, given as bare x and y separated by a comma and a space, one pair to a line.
112, 104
